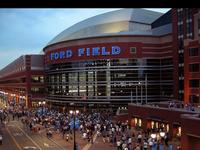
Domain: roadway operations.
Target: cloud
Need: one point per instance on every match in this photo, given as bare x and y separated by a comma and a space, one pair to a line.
31, 27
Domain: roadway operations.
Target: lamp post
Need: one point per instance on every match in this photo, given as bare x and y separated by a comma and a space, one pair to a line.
153, 136
74, 112
162, 134
43, 104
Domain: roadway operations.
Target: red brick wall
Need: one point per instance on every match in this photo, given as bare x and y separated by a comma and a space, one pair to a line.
166, 115
190, 138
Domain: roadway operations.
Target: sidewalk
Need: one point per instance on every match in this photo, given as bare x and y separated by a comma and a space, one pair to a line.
58, 139
99, 145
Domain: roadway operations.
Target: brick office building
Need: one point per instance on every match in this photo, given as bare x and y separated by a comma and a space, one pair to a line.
22, 81
186, 43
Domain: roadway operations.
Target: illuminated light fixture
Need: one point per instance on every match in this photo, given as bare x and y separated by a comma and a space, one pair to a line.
77, 111
153, 135
71, 111
162, 134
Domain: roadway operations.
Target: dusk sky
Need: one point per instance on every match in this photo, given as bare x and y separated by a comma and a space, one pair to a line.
27, 31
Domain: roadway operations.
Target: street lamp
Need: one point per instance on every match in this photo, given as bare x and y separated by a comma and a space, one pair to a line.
162, 134
153, 135
74, 112
43, 104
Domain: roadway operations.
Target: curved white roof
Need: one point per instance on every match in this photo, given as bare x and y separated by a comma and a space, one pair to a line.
131, 21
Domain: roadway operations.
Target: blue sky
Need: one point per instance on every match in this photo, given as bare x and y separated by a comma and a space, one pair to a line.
27, 31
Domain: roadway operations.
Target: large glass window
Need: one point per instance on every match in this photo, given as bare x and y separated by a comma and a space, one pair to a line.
37, 79
189, 23
73, 84
37, 90
82, 83
114, 80
180, 16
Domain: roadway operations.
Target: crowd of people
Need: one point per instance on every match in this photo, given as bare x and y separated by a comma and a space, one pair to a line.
188, 106
116, 133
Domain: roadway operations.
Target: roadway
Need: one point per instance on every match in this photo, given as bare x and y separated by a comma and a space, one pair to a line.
17, 137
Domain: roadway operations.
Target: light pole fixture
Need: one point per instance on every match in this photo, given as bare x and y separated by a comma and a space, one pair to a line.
74, 112
43, 104
153, 135
162, 134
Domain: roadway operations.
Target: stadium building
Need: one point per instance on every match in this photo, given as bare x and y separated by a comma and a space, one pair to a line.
112, 59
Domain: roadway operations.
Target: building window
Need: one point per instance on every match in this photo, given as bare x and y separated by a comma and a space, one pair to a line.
181, 58
188, 12
180, 29
37, 79
37, 90
199, 25
180, 9
194, 83
180, 16
189, 30
194, 67
133, 50
138, 122
194, 98
180, 44
193, 51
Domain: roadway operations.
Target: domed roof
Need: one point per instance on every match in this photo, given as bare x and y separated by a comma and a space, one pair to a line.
123, 21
